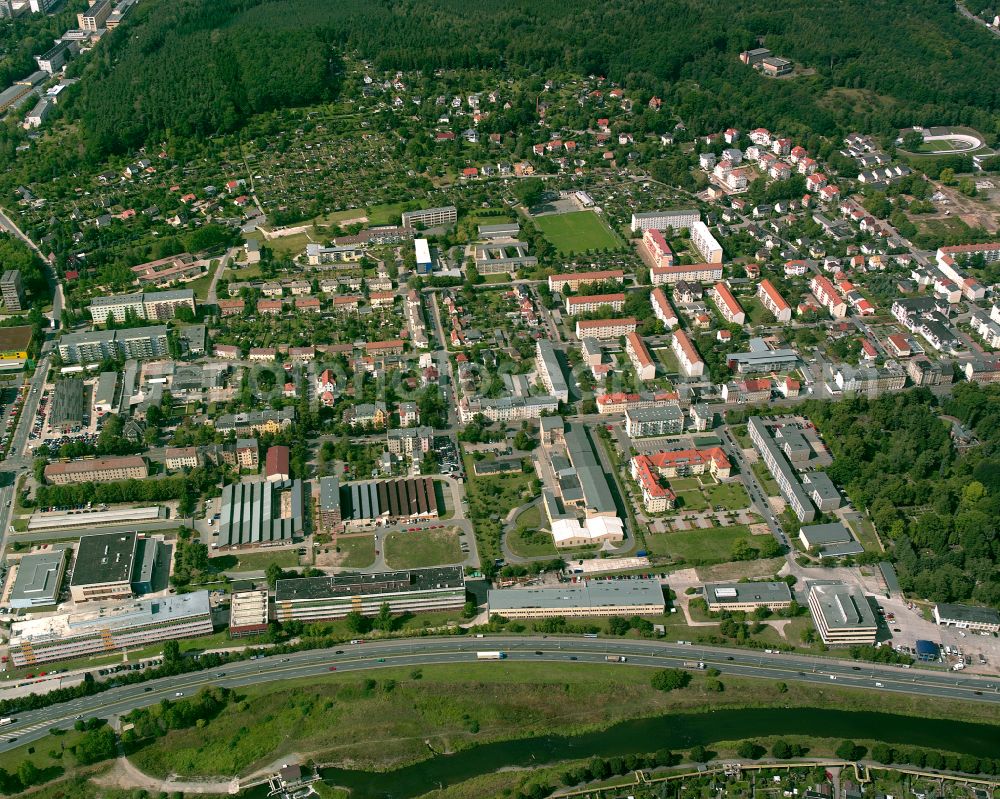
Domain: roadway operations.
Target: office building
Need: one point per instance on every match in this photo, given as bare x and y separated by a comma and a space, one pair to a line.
38, 579
659, 420
598, 598
842, 614
821, 491
781, 470
592, 495
550, 370
12, 290
747, 597
430, 217
248, 612
110, 628
705, 243
261, 514
113, 566
761, 358
665, 220
966, 617
94, 18
55, 58
327, 598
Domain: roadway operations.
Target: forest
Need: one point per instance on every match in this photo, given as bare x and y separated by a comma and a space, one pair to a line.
936, 508
201, 67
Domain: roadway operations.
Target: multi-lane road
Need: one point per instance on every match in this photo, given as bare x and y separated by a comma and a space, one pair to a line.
32, 725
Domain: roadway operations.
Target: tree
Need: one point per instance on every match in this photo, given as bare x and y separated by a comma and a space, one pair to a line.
383, 621
699, 754
274, 572
912, 140
848, 750
670, 679
357, 623
530, 192
781, 749
171, 652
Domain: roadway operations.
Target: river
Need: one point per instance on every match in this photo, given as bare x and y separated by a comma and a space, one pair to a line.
677, 732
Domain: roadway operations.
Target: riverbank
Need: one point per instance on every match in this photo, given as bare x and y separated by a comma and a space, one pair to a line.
405, 716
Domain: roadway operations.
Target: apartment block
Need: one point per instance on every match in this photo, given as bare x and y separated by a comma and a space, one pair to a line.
692, 273
781, 470
658, 248
639, 356
827, 296
576, 304
430, 217
12, 290
727, 304
550, 370
688, 358
773, 301
159, 305
577, 279
658, 420
662, 308
605, 328
665, 220
705, 243
97, 470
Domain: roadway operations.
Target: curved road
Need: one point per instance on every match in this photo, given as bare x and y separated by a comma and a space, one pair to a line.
32, 725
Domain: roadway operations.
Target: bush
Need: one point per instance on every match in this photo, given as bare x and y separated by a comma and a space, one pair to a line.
670, 679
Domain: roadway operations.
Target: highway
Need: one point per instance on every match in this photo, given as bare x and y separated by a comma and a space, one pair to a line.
32, 725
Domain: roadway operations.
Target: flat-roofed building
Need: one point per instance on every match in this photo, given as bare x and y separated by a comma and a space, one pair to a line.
761, 358
576, 279
771, 299
93, 18
105, 392
14, 344
747, 597
12, 290
110, 628
67, 405
328, 514
727, 304
38, 579
430, 217
822, 491
586, 598
659, 420
248, 612
638, 355
99, 345
577, 304
105, 563
97, 470
665, 220
688, 358
842, 614
605, 328
781, 470
333, 597
692, 273
824, 536
705, 243
966, 617
550, 371
155, 305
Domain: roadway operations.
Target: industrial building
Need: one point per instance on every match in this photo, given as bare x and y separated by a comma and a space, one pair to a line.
113, 566
966, 617
595, 498
600, 598
842, 614
831, 540
328, 516
261, 514
367, 502
97, 470
14, 344
248, 612
333, 597
747, 597
38, 579
110, 628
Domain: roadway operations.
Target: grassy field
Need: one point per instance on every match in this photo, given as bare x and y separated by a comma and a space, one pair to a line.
359, 551
337, 718
690, 500
202, 284
756, 313
865, 532
731, 496
766, 481
577, 231
289, 246
529, 542
711, 545
255, 561
424, 548
668, 359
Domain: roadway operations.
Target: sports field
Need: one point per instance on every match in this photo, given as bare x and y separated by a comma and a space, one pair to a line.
577, 231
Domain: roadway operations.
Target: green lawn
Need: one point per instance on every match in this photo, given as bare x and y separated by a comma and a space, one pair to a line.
576, 232
756, 313
421, 549
731, 496
529, 541
684, 483
255, 561
668, 359
359, 551
201, 285
866, 535
699, 546
764, 478
289, 246
690, 500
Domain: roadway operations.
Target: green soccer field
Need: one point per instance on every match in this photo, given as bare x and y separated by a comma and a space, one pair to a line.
578, 231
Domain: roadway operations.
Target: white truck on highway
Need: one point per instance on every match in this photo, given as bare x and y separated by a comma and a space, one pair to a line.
5, 721
694, 664
616, 659
490, 655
